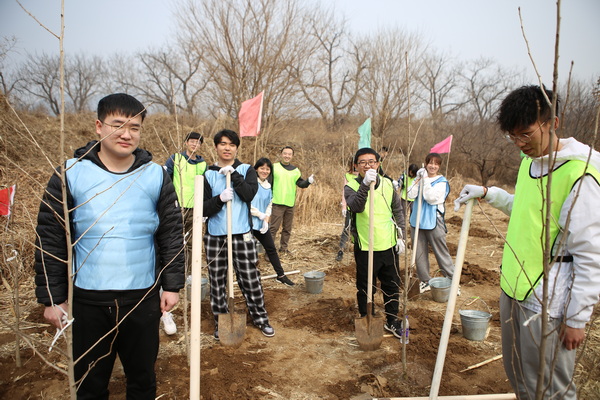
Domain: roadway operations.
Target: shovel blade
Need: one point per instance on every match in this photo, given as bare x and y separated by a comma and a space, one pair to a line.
232, 329
369, 332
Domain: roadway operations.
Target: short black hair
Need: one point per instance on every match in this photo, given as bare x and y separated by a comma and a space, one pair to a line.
524, 107
120, 104
412, 170
194, 135
287, 147
366, 150
229, 134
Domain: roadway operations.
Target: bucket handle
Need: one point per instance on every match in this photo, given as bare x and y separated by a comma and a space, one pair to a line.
474, 299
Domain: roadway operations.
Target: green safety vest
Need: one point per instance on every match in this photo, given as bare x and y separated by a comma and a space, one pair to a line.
408, 181
284, 185
384, 230
183, 179
523, 257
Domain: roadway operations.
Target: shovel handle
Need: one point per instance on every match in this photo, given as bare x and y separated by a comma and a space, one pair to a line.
371, 239
229, 246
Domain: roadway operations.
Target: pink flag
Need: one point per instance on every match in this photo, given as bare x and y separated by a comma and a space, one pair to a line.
6, 199
250, 116
443, 146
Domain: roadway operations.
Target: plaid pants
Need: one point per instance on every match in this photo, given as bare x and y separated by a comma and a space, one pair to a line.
245, 258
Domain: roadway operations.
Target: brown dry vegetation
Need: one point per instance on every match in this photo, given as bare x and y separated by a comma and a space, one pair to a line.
314, 353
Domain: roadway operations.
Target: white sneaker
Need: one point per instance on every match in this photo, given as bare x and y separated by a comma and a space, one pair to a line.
458, 292
168, 323
424, 287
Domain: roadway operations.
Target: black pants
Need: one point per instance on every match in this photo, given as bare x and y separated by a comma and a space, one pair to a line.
269, 245
385, 269
136, 343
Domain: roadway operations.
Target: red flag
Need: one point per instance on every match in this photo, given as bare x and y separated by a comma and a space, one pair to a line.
443, 146
250, 116
6, 199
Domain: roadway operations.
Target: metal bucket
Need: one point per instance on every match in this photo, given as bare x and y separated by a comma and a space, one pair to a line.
204, 289
440, 289
475, 323
314, 281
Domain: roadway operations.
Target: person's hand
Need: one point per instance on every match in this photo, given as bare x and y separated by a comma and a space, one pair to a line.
344, 212
264, 228
227, 170
469, 192
396, 184
226, 195
370, 176
572, 338
56, 315
311, 179
421, 173
400, 246
168, 300
262, 216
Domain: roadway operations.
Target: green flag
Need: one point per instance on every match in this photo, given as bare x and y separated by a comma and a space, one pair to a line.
365, 134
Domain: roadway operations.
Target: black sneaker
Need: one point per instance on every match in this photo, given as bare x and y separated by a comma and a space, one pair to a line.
340, 255
266, 329
285, 280
395, 327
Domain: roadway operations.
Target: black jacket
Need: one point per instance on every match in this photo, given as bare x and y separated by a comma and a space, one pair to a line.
50, 264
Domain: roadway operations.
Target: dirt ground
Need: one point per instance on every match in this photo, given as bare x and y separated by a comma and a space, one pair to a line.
314, 354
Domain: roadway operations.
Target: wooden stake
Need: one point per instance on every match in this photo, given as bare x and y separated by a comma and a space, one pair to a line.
489, 360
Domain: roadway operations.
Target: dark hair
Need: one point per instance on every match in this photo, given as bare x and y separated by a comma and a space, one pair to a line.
229, 134
120, 104
366, 150
412, 170
433, 156
194, 135
287, 147
524, 106
263, 161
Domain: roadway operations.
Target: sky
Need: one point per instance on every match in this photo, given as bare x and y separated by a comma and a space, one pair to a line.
463, 29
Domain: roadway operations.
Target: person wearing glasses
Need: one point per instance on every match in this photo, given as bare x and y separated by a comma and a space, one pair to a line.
286, 177
573, 229
388, 236
432, 227
182, 168
126, 230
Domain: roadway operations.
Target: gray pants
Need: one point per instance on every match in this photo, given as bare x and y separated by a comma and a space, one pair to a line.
521, 352
282, 216
435, 237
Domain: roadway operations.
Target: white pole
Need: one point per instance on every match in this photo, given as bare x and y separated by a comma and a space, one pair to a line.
460, 258
196, 287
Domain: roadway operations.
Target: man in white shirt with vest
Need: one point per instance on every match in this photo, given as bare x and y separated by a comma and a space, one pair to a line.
573, 272
387, 246
286, 177
216, 194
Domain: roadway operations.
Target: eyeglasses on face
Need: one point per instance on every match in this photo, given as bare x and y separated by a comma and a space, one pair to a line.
365, 162
133, 129
524, 137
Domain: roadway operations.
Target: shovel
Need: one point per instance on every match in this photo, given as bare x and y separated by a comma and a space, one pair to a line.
369, 329
232, 326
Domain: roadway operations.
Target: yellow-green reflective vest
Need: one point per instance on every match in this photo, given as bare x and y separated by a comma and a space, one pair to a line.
408, 181
183, 179
523, 258
284, 185
384, 230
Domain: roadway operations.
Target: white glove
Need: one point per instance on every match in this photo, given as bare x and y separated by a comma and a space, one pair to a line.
265, 227
396, 185
226, 195
228, 169
311, 179
370, 176
262, 216
421, 173
344, 212
469, 192
400, 246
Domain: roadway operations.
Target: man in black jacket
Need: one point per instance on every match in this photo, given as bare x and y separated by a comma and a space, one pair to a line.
126, 233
